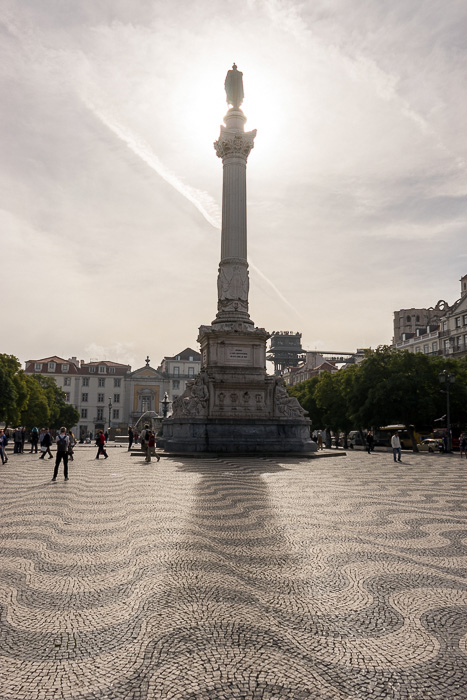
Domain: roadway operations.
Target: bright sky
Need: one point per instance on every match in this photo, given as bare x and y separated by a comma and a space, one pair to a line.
111, 189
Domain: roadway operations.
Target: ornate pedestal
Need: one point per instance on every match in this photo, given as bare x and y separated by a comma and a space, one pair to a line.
233, 405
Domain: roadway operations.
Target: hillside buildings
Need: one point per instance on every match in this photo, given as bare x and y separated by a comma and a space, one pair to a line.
109, 394
438, 330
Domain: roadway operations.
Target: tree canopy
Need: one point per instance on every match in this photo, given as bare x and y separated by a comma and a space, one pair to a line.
388, 387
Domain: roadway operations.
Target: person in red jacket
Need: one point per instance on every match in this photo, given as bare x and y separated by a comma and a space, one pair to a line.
100, 442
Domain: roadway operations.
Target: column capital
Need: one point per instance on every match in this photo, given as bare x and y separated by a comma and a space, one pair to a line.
234, 143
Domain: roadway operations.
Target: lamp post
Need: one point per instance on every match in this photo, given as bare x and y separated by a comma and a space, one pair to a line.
165, 405
447, 378
110, 408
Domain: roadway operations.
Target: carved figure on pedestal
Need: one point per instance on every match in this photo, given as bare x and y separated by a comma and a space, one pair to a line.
285, 405
234, 87
194, 400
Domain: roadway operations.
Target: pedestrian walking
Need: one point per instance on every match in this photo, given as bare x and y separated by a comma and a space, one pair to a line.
34, 439
320, 440
463, 445
396, 447
71, 444
151, 447
370, 442
23, 439
62, 441
130, 437
100, 442
45, 445
18, 440
3, 444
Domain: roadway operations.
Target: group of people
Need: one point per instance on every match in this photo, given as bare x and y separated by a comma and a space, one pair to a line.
148, 442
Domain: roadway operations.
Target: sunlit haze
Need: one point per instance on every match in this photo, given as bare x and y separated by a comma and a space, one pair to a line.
111, 188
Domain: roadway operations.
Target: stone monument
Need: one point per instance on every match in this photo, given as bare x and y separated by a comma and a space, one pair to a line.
233, 405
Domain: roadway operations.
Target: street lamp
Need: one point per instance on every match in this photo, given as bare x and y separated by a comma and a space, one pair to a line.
110, 408
165, 405
447, 378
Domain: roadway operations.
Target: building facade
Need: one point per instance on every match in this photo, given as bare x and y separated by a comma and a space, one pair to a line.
109, 395
442, 332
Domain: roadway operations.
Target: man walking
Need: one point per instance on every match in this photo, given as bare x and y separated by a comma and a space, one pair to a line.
130, 437
100, 442
396, 447
34, 439
62, 441
45, 445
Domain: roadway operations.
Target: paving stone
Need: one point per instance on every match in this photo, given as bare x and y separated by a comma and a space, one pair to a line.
226, 578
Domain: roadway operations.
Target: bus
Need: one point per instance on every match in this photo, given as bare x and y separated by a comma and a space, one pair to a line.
383, 436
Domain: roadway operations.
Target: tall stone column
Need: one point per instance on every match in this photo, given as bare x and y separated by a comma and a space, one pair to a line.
233, 146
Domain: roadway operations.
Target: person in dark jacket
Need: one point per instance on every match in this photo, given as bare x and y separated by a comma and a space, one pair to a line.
370, 442
46, 442
130, 437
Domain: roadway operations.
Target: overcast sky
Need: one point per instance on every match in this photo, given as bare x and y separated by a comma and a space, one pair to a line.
111, 189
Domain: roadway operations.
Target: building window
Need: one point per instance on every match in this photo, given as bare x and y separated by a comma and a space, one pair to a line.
111, 370
116, 414
100, 414
434, 347
418, 319
446, 346
38, 367
417, 349
67, 381
85, 381
65, 368
84, 398
425, 349
101, 381
117, 382
175, 384
116, 398
92, 370
84, 413
51, 366
408, 319
100, 398
459, 341
464, 319
67, 395
145, 404
191, 371
445, 325
177, 357
101, 369
458, 322
176, 371
190, 359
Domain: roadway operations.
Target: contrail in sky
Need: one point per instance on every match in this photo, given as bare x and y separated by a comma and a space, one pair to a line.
201, 200
205, 204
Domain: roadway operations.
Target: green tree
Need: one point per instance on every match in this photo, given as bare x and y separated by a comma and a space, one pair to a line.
13, 389
331, 395
69, 416
305, 393
36, 412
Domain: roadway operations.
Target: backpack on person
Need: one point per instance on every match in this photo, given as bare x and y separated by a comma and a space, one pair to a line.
62, 443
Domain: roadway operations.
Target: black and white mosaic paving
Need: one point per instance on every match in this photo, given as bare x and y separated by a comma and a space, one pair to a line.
255, 578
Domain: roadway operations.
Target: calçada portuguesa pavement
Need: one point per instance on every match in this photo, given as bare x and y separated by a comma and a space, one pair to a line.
234, 578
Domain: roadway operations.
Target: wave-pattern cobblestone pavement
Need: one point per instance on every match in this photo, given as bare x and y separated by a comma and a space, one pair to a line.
234, 578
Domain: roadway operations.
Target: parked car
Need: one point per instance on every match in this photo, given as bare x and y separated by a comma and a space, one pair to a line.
353, 438
431, 445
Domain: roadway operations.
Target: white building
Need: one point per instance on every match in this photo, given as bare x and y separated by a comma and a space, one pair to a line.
441, 330
108, 394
